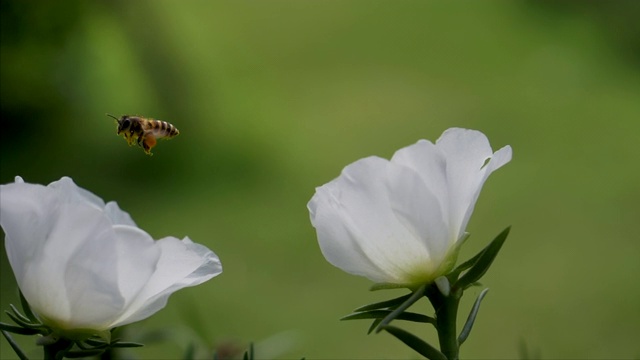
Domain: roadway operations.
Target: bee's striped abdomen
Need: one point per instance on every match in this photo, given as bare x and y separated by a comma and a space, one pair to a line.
163, 129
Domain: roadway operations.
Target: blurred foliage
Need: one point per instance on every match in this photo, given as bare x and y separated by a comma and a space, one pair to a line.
273, 98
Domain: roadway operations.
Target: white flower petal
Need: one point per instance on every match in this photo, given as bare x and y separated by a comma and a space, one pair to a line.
24, 210
337, 237
137, 256
499, 158
117, 216
69, 192
467, 153
365, 222
181, 264
430, 164
419, 210
70, 273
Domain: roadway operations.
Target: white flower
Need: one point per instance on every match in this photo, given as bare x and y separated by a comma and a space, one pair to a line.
400, 222
84, 266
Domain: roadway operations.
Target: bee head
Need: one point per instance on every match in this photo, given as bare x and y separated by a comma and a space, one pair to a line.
124, 123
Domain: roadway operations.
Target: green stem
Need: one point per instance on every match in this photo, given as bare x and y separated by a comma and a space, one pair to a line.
56, 350
447, 335
14, 346
446, 315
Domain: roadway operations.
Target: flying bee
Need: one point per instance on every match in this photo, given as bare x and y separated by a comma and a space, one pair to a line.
144, 132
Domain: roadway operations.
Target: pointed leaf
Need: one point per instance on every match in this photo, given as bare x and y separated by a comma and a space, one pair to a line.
472, 317
386, 286
18, 314
124, 344
14, 346
18, 330
381, 314
374, 325
372, 314
249, 354
465, 265
83, 353
22, 323
414, 317
484, 261
404, 306
384, 304
105, 336
27, 309
94, 343
417, 344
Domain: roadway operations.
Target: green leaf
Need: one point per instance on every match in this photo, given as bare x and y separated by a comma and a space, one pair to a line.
472, 317
372, 314
125, 344
404, 306
386, 286
384, 304
93, 343
18, 329
484, 260
27, 309
18, 314
374, 325
464, 266
83, 353
14, 346
381, 314
18, 321
417, 344
249, 354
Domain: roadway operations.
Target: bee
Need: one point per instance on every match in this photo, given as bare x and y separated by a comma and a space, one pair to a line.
144, 132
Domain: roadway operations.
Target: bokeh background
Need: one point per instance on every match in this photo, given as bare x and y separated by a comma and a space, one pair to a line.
274, 98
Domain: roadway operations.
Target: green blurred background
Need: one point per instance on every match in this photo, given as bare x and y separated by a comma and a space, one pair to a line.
274, 98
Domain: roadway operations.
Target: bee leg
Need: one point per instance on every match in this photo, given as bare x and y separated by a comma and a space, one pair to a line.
148, 142
130, 140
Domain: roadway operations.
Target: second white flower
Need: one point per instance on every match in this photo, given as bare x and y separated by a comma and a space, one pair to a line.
400, 222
